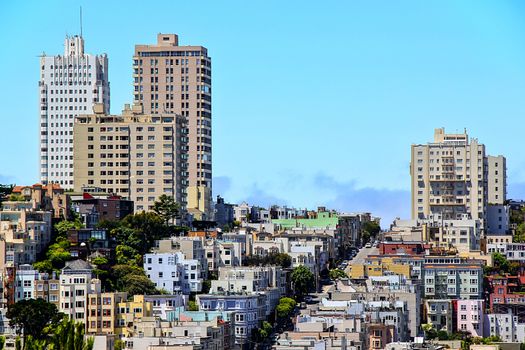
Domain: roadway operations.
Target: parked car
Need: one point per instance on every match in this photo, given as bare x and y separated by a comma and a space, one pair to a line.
368, 245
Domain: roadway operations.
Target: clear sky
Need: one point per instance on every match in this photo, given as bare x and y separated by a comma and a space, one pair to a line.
314, 103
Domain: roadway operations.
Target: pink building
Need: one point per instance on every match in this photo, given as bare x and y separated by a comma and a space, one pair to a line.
470, 316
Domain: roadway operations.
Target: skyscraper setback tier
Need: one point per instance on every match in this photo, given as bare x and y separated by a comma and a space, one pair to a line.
169, 78
69, 85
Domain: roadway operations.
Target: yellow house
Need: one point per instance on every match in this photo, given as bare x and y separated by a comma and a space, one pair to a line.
129, 311
378, 268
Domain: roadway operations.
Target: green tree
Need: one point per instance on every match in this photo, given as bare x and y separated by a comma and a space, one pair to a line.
206, 286
167, 208
119, 344
517, 216
63, 226
502, 265
372, 228
44, 266
69, 335
6, 190
109, 225
32, 316
430, 332
285, 307
99, 261
138, 284
442, 335
131, 279
16, 197
263, 332
143, 229
302, 279
127, 255
336, 273
519, 234
58, 253
365, 236
282, 259
192, 306
2, 342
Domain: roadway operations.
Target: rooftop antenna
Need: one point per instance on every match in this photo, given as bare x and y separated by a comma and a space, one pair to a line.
81, 21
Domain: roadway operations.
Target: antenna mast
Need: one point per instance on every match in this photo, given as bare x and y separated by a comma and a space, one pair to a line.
81, 21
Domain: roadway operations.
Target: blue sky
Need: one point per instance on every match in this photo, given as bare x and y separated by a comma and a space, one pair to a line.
314, 103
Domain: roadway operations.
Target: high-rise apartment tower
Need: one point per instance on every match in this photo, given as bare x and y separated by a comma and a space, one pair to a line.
69, 85
174, 79
451, 177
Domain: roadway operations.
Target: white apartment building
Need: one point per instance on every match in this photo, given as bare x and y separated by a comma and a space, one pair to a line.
464, 234
515, 251
502, 325
75, 285
190, 247
25, 282
69, 85
162, 304
173, 272
450, 177
249, 279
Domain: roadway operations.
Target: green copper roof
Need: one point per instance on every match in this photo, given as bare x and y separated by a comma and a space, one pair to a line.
323, 220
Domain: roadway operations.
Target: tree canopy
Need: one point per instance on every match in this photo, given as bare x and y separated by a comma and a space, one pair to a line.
166, 207
278, 259
32, 316
67, 335
285, 307
372, 228
337, 273
302, 279
502, 265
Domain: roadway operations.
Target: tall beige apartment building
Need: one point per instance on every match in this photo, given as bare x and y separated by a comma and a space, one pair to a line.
449, 177
174, 79
497, 179
135, 155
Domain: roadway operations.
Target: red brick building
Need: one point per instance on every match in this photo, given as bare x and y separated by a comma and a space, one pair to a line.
410, 248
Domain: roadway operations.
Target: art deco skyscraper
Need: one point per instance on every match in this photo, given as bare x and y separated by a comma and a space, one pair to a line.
69, 85
169, 78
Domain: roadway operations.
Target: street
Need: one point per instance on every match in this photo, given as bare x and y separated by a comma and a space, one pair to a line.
360, 257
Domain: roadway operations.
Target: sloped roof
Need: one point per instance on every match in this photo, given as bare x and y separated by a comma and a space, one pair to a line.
78, 264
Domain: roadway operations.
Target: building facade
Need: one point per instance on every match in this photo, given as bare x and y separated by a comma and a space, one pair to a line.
497, 179
137, 156
69, 85
449, 177
174, 79
173, 272
470, 316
